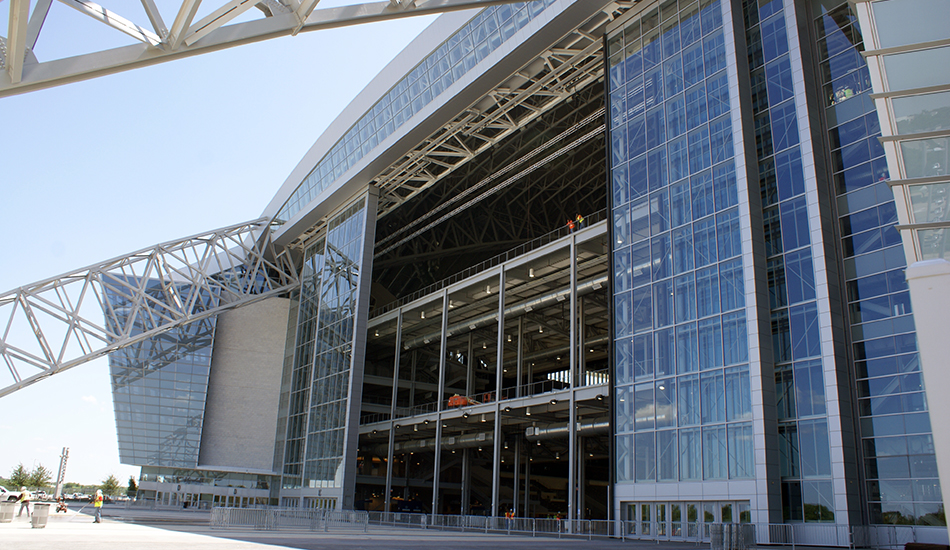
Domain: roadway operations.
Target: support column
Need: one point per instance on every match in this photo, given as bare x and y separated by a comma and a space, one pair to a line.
466, 481
581, 345
392, 415
469, 360
520, 357
440, 405
500, 354
572, 416
515, 485
527, 484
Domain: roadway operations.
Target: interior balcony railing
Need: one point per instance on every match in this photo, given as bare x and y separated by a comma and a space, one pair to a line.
456, 401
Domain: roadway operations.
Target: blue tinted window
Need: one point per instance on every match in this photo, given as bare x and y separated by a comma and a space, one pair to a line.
774, 37
636, 136
714, 53
784, 126
618, 184
671, 38
693, 65
800, 276
717, 95
695, 106
618, 146
640, 260
720, 138
806, 337
618, 108
687, 348
673, 76
679, 159
623, 274
635, 97
660, 211
704, 241
732, 288
779, 80
653, 87
790, 180
735, 338
710, 343
676, 116
703, 194
728, 234
663, 302
684, 290
665, 351
680, 203
638, 177
794, 224
724, 176
699, 150
657, 174
711, 15
707, 291
682, 249
656, 127
662, 257
623, 315
642, 309
690, 30
642, 355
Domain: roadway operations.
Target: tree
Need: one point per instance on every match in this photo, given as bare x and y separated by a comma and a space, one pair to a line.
133, 488
111, 485
40, 477
20, 477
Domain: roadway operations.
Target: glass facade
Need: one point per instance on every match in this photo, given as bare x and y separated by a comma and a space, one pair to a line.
447, 64
159, 385
683, 398
320, 382
804, 443
895, 430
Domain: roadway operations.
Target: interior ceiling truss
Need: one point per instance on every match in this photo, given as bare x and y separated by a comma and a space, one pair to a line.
65, 321
156, 42
571, 64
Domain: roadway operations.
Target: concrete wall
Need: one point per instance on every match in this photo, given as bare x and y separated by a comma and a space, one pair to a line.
244, 388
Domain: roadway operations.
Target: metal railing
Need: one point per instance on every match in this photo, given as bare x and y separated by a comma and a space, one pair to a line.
533, 244
720, 536
273, 519
516, 392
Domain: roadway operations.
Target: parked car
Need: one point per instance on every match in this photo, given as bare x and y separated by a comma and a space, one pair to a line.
10, 496
40, 495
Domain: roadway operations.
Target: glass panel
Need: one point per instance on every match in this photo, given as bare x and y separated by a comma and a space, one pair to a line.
922, 113
898, 22
916, 69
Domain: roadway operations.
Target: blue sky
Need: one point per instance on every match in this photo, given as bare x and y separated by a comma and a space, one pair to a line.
97, 169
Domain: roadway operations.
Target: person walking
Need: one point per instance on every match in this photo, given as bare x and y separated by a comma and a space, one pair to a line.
24, 501
97, 503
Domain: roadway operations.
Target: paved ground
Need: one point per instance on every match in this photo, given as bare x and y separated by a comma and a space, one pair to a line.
156, 530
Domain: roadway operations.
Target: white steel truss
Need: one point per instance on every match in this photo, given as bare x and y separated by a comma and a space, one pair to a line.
65, 321
575, 61
154, 42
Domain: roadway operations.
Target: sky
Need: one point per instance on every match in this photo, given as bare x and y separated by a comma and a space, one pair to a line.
98, 169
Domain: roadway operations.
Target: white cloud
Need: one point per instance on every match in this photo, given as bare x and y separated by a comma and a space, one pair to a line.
89, 399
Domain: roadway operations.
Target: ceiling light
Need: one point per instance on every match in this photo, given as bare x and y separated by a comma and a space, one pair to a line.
465, 415
376, 333
553, 401
530, 272
509, 338
422, 314
600, 397
506, 444
487, 289
484, 345
451, 305
483, 417
507, 409
557, 456
540, 328
426, 422
527, 411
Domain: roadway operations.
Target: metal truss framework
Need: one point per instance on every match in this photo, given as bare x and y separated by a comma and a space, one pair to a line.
156, 43
571, 64
50, 326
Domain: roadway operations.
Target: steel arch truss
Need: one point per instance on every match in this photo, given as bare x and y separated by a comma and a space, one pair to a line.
154, 42
62, 322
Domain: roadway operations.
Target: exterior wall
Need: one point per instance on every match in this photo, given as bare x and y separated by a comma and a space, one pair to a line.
244, 387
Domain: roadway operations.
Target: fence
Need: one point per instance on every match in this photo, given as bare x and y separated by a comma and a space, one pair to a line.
273, 519
720, 536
